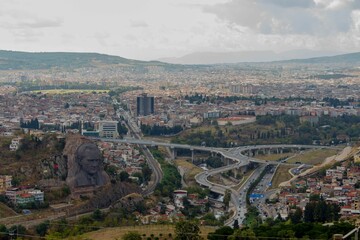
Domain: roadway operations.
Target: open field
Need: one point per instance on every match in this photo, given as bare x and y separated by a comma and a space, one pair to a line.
281, 175
66, 91
156, 230
313, 157
5, 211
273, 157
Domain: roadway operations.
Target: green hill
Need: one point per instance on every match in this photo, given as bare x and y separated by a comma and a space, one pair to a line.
350, 58
13, 60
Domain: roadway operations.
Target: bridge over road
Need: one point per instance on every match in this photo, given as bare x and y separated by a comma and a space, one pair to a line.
242, 156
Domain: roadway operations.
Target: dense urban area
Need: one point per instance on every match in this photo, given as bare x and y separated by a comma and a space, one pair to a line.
240, 151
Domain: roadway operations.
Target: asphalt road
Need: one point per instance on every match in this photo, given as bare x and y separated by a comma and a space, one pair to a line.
153, 164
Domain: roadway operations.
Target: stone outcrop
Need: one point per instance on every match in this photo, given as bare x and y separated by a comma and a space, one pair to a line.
85, 166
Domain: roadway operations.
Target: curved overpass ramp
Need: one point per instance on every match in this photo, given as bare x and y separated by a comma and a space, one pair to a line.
238, 155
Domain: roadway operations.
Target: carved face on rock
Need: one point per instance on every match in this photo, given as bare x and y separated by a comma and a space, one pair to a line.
89, 158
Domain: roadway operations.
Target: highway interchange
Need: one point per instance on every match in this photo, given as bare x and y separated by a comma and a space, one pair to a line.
239, 156
238, 197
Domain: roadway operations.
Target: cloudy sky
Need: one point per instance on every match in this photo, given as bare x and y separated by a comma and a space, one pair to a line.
152, 29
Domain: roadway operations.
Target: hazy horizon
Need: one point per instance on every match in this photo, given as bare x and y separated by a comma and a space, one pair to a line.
144, 30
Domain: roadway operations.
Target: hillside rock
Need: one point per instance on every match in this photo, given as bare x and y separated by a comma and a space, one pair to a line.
85, 166
111, 194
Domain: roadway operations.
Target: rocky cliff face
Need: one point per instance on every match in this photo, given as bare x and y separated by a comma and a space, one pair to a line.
73, 141
54, 167
85, 166
38, 159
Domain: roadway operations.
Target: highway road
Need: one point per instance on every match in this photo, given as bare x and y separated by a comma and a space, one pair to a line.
237, 155
238, 198
153, 164
261, 189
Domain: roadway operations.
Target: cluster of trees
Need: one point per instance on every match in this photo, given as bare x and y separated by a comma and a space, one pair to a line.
214, 162
160, 130
285, 129
286, 120
326, 131
198, 98
171, 177
334, 102
201, 192
14, 232
271, 229
30, 86
119, 90
320, 211
33, 124
276, 229
143, 176
122, 129
191, 211
200, 138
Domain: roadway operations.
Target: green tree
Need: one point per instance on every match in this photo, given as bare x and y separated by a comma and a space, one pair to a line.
286, 234
187, 230
146, 172
221, 234
236, 224
296, 217
42, 228
97, 215
227, 198
124, 176
17, 230
243, 234
132, 236
3, 231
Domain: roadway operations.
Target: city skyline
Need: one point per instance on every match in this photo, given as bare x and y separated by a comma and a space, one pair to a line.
146, 30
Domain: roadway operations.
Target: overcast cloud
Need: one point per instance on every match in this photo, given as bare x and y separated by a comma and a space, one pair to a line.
143, 29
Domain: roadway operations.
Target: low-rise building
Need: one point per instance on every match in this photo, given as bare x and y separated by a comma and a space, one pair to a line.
5, 182
108, 129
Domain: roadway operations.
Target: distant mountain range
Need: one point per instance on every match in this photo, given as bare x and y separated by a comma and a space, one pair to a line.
246, 56
13, 60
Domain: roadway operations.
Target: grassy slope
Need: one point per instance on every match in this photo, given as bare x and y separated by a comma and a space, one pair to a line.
313, 157
117, 233
273, 157
282, 174
5, 211
190, 171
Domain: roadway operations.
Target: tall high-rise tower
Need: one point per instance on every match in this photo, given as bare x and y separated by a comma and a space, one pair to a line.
145, 105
